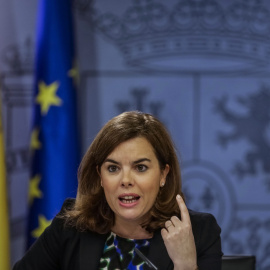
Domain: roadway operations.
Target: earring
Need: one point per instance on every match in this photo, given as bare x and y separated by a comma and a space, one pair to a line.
162, 184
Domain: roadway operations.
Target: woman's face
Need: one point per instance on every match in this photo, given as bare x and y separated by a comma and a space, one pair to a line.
131, 178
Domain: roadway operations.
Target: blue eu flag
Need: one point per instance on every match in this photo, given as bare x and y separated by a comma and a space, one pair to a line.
54, 138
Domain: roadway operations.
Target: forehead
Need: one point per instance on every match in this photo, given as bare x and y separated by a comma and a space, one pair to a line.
134, 146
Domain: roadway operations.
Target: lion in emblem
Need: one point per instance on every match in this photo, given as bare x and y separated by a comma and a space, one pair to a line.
254, 127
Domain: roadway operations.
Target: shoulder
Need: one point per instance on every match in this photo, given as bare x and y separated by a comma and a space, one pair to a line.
203, 223
57, 229
67, 205
58, 232
205, 229
201, 218
59, 219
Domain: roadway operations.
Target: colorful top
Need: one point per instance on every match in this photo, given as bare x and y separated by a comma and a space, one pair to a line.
119, 253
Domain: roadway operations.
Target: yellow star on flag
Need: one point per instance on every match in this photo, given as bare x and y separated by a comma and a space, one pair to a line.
47, 96
34, 191
43, 223
74, 73
35, 143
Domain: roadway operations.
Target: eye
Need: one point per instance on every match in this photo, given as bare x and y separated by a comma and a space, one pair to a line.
112, 168
141, 168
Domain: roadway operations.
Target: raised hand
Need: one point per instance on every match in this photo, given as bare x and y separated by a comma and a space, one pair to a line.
179, 240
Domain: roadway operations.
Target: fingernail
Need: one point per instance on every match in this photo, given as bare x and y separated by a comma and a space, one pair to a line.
178, 196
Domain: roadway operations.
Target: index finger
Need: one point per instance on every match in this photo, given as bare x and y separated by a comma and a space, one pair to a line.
183, 209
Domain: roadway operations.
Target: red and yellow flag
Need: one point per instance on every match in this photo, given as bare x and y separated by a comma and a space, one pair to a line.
4, 224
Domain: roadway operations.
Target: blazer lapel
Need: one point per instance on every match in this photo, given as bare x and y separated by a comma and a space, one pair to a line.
158, 254
91, 249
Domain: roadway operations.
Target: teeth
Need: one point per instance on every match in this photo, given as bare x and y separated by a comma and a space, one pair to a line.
129, 201
128, 197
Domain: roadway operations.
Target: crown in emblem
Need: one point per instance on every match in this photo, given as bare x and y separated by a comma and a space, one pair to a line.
232, 37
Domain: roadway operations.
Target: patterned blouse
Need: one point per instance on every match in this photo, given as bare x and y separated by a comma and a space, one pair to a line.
118, 253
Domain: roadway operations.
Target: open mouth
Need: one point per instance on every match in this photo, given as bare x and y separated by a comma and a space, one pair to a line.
129, 199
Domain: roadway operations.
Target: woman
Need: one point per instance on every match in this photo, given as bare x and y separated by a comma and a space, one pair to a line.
129, 211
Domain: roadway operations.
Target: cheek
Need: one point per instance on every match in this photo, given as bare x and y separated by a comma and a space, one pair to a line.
108, 195
151, 187
109, 186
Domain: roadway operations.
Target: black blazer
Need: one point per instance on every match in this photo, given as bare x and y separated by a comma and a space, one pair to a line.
64, 248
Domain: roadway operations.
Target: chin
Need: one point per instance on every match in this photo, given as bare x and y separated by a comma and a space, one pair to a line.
134, 217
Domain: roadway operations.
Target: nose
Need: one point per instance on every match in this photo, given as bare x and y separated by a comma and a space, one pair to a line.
127, 179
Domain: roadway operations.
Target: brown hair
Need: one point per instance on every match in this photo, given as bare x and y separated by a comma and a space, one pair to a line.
91, 210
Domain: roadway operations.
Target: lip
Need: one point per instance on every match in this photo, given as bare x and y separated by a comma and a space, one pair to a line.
129, 194
128, 205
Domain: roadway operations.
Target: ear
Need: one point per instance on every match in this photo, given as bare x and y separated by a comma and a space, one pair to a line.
164, 174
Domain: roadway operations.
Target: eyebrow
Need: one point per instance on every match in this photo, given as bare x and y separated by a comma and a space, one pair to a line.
135, 162
141, 160
110, 160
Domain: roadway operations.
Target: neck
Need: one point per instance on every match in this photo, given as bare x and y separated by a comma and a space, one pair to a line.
131, 231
